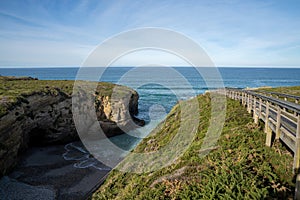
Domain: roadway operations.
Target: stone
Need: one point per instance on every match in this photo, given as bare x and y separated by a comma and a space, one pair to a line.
46, 119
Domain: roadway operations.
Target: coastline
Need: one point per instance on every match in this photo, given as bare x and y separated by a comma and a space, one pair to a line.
139, 148
36, 131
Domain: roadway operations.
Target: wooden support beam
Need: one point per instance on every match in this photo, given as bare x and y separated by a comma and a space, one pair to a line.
268, 130
278, 122
249, 103
260, 105
268, 136
255, 114
242, 98
297, 189
255, 117
296, 164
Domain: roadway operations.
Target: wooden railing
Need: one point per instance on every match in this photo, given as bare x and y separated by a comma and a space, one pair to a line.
286, 97
280, 116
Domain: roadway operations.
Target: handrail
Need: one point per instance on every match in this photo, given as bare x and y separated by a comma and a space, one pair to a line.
281, 94
284, 104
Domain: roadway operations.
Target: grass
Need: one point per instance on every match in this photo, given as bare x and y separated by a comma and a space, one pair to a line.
239, 167
294, 90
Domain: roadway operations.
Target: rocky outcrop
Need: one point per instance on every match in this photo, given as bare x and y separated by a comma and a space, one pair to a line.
46, 118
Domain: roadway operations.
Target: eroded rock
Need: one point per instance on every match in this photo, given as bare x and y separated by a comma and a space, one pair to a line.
47, 118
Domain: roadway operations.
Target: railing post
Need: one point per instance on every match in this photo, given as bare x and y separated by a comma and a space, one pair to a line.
268, 130
297, 189
297, 146
249, 103
260, 105
296, 159
242, 98
255, 115
278, 122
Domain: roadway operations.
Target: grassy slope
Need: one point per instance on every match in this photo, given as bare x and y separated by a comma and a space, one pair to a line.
14, 90
241, 167
295, 90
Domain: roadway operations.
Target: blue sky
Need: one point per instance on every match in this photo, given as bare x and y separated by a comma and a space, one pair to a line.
232, 32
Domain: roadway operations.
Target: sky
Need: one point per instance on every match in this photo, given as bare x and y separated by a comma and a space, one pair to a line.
233, 33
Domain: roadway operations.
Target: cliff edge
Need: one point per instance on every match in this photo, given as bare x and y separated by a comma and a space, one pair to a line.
39, 112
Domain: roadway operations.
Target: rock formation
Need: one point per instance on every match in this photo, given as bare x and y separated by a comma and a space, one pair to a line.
44, 118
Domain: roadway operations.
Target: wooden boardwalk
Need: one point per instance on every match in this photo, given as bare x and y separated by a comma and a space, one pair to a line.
281, 116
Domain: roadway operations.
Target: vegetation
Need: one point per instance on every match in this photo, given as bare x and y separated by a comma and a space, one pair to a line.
294, 90
240, 166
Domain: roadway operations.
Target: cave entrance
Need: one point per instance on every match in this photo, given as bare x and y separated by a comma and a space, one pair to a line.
37, 137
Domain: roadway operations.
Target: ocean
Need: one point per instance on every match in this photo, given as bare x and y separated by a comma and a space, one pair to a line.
153, 93
161, 88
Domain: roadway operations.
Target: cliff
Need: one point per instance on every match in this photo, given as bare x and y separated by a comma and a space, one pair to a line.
37, 112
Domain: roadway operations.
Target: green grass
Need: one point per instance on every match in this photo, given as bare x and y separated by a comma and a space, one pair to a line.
294, 90
239, 167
